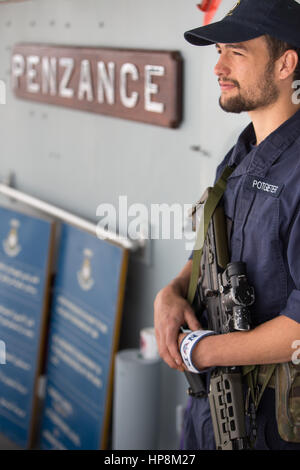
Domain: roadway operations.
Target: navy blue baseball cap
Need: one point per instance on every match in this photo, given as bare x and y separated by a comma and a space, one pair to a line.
249, 19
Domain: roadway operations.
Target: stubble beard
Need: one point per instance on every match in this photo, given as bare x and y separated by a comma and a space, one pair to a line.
264, 94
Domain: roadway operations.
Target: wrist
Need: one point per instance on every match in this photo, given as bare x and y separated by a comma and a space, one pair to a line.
189, 345
202, 354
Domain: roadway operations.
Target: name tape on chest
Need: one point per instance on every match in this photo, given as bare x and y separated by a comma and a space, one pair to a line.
256, 183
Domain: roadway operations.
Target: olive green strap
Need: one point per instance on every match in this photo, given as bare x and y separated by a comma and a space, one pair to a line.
271, 369
213, 200
251, 374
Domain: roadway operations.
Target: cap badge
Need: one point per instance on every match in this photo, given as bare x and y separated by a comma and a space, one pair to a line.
232, 9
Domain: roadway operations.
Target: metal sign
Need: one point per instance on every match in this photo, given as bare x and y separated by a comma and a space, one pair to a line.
138, 85
84, 329
26, 250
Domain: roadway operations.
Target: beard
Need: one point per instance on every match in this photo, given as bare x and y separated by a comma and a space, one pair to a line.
263, 94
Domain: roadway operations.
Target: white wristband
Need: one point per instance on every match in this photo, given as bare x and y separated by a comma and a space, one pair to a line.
187, 345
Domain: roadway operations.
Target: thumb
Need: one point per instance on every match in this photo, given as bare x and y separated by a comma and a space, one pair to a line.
191, 319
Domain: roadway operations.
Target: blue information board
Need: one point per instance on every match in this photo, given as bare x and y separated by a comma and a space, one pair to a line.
84, 328
25, 257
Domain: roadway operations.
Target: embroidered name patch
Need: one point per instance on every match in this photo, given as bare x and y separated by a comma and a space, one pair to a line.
256, 183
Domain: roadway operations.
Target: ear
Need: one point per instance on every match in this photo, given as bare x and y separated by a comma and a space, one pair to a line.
287, 64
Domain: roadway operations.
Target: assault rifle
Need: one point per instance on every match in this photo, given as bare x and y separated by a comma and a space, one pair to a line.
224, 294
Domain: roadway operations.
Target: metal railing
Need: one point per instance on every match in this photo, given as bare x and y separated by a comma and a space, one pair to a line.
72, 219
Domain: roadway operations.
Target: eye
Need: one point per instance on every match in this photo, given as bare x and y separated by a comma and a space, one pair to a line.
237, 53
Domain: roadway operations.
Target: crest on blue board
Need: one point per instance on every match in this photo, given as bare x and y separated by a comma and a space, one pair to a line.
11, 244
84, 276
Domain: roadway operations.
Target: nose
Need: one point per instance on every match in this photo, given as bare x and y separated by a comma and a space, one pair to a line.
222, 68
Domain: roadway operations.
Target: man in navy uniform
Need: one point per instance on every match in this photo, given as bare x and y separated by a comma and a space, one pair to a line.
258, 43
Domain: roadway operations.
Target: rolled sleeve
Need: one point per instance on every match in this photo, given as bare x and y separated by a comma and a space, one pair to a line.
292, 308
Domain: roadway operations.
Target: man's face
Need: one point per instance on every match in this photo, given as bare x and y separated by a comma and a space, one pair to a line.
246, 76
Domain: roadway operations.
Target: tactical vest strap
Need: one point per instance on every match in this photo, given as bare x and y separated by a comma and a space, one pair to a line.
263, 375
258, 376
285, 378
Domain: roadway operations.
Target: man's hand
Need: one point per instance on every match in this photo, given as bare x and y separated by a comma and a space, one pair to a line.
171, 311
